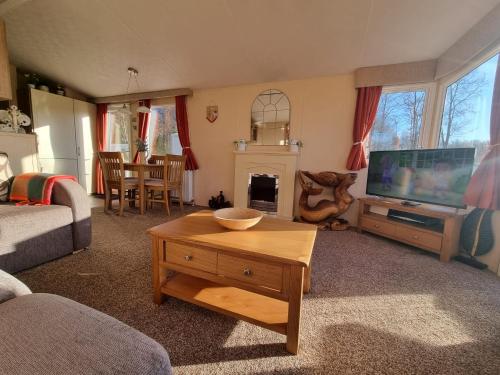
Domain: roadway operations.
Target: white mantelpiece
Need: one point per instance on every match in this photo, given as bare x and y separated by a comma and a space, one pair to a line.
280, 163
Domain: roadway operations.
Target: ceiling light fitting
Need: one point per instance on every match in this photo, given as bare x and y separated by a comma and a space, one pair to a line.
132, 72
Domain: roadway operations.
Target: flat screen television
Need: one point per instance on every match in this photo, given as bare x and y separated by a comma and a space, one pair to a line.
436, 176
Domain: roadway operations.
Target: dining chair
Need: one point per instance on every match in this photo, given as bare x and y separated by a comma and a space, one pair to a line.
114, 178
166, 180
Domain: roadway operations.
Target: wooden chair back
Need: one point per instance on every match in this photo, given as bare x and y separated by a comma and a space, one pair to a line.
158, 159
176, 165
112, 167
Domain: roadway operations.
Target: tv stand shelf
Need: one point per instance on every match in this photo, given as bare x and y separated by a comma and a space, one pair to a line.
445, 242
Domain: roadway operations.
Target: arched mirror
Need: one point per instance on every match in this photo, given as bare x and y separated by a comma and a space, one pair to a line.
270, 118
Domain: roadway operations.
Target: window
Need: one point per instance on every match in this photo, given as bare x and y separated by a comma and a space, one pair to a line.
118, 129
399, 120
162, 131
467, 108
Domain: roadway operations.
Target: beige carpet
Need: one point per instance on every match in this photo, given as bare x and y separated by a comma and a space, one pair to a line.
375, 307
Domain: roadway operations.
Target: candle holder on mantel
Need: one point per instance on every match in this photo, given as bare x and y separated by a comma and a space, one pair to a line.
241, 145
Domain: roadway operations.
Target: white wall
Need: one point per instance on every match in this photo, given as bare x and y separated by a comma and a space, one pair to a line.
322, 113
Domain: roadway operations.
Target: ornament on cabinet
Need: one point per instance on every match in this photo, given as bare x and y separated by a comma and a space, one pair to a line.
13, 120
60, 90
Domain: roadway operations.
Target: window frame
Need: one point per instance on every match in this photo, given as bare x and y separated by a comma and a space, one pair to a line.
430, 92
442, 87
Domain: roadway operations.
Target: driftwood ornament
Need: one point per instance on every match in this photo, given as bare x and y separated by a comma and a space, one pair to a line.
325, 213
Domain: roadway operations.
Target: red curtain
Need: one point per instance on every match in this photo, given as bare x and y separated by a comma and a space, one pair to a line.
183, 129
101, 128
143, 125
366, 109
484, 187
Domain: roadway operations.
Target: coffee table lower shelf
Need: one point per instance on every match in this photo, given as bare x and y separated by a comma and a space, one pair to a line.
257, 309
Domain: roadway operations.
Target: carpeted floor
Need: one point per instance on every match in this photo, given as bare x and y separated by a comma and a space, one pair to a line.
375, 307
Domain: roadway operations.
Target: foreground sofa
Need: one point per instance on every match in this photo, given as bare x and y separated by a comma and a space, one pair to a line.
49, 334
31, 235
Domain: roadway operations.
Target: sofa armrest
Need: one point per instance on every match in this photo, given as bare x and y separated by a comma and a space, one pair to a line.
71, 194
10, 287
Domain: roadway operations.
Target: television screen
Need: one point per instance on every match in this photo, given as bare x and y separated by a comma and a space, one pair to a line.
437, 176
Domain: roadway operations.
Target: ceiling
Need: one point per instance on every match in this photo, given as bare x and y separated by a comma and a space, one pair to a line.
89, 44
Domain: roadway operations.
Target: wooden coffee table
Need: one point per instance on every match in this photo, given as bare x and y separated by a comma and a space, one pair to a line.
257, 275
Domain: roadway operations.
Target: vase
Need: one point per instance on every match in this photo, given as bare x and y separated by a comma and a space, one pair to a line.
142, 157
293, 148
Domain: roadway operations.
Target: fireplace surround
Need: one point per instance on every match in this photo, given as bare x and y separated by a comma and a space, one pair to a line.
272, 171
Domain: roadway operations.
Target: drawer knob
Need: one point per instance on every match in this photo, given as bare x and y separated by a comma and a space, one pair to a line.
377, 225
247, 272
415, 237
188, 257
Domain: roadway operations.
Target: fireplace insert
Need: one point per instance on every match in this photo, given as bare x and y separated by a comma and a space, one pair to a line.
263, 192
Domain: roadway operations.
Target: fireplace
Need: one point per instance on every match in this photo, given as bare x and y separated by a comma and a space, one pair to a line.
263, 192
278, 183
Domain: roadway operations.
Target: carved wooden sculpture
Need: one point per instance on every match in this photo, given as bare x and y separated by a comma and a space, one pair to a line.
325, 212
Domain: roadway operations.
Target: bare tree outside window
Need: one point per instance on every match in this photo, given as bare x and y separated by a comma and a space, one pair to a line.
398, 121
460, 107
162, 131
413, 106
467, 109
118, 129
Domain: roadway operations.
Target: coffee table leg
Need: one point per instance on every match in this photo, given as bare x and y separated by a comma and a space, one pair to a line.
294, 305
159, 274
307, 279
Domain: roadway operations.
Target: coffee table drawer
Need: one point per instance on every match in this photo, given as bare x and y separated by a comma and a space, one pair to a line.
250, 271
192, 257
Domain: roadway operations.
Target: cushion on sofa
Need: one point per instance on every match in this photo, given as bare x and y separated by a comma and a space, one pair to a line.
10, 287
49, 334
31, 235
22, 223
5, 175
71, 194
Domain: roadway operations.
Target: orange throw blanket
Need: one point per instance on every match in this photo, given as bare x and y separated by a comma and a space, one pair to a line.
34, 188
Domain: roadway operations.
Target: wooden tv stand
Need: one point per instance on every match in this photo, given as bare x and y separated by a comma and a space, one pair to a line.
445, 242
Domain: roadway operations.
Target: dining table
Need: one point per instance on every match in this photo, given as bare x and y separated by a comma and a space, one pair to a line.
141, 169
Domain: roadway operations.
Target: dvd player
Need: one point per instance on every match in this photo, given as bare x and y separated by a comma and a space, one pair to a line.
430, 223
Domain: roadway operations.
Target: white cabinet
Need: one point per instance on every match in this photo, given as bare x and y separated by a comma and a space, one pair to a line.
65, 133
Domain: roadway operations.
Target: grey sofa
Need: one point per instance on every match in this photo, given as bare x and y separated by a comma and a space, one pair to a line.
49, 334
31, 235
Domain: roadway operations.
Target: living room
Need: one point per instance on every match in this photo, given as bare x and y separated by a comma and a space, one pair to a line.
351, 83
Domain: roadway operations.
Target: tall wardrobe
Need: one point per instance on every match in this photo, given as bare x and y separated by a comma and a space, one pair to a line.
65, 134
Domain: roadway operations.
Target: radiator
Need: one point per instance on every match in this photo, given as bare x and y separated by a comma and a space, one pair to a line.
187, 188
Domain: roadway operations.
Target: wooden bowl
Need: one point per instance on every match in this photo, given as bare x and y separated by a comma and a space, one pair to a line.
237, 218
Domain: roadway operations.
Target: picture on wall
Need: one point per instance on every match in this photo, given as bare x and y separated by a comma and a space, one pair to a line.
212, 113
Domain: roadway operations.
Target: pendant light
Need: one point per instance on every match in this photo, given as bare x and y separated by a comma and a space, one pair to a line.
132, 72
143, 109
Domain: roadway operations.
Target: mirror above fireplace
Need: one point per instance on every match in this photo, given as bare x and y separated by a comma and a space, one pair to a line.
270, 115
